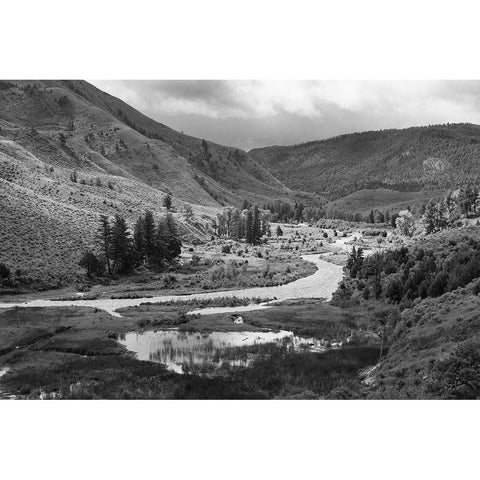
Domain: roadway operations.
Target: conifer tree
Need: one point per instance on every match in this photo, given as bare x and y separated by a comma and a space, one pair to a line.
105, 237
149, 232
167, 202
122, 249
249, 227
139, 240
168, 245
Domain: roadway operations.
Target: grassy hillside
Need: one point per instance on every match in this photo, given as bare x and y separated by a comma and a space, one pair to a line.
413, 159
124, 162
423, 300
227, 174
430, 336
48, 221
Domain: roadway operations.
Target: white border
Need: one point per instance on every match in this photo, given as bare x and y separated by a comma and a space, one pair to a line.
249, 39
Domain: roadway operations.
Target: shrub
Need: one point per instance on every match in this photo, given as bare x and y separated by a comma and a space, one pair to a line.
226, 248
4, 271
458, 376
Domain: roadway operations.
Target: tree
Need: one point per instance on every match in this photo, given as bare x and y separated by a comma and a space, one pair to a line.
393, 220
394, 290
236, 227
188, 213
405, 223
386, 320
174, 245
438, 285
90, 262
167, 202
139, 240
4, 271
122, 248
355, 261
149, 233
467, 199
254, 226
74, 176
429, 217
371, 217
279, 231
105, 237
435, 216
458, 375
248, 227
168, 245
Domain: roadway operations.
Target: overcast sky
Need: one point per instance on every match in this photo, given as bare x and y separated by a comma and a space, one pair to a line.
249, 114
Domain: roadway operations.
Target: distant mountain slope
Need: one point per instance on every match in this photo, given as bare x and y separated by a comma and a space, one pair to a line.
413, 159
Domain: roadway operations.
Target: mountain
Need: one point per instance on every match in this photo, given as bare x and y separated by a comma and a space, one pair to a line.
55, 132
409, 160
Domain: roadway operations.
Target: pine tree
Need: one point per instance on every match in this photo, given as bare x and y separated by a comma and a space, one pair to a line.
168, 245
149, 232
371, 217
429, 217
139, 240
235, 227
174, 245
167, 202
105, 237
248, 227
255, 226
123, 255
279, 231
90, 262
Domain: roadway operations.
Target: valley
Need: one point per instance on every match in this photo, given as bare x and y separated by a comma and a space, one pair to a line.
140, 262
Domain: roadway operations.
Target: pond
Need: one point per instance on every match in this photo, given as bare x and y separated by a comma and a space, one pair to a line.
208, 353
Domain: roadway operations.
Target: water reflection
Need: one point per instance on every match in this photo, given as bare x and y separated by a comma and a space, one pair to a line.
207, 353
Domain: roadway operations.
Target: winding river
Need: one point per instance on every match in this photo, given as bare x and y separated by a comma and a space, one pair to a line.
321, 284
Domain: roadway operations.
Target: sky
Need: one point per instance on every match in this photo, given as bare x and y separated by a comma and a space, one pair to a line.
256, 113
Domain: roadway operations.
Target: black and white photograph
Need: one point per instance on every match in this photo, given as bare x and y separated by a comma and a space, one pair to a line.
185, 221
188, 242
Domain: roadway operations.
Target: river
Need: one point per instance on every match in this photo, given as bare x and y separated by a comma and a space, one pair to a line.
321, 284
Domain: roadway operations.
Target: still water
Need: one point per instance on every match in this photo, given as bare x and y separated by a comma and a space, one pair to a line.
206, 353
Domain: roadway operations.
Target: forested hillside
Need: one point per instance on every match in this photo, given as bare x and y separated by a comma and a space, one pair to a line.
412, 159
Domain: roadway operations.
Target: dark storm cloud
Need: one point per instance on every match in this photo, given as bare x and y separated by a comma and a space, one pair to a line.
250, 114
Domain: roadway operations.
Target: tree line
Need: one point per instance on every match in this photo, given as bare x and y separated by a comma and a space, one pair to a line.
119, 252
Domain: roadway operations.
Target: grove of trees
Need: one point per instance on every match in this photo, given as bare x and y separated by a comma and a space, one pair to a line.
120, 252
249, 224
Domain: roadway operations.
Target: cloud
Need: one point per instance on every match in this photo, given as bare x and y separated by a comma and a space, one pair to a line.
271, 111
